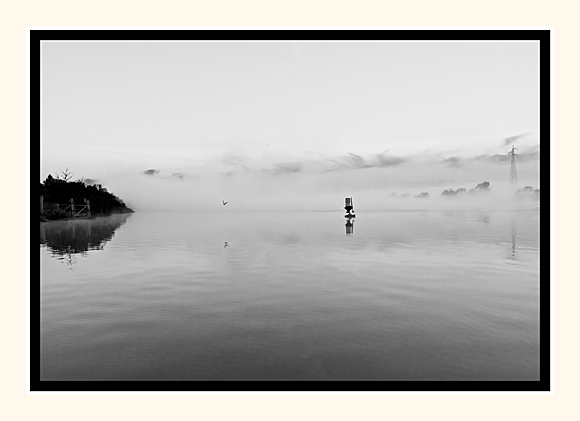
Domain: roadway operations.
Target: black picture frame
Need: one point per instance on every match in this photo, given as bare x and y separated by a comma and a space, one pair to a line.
542, 36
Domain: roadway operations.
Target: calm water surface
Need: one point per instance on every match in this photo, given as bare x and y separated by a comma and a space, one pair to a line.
397, 295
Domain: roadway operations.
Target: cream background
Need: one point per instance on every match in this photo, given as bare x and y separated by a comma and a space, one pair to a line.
15, 16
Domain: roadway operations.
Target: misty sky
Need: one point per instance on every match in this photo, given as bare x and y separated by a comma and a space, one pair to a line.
188, 124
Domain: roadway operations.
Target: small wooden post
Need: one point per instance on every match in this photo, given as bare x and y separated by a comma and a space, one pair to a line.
88, 207
41, 204
72, 207
42, 234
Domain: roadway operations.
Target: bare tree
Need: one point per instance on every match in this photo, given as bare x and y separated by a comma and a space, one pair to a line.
66, 174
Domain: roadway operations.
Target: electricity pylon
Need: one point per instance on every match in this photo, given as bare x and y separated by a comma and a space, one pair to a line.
513, 171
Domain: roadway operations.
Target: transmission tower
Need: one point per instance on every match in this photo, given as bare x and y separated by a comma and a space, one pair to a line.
513, 171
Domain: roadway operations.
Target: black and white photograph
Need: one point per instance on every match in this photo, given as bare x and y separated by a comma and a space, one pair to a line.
290, 210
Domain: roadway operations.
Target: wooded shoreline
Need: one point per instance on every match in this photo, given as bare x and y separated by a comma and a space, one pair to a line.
62, 199
85, 217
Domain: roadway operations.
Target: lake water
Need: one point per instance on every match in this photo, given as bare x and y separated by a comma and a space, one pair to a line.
405, 295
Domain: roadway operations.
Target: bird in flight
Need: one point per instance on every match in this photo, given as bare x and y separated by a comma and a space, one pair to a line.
225, 203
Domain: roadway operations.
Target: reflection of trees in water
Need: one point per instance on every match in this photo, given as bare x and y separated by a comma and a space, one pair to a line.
66, 238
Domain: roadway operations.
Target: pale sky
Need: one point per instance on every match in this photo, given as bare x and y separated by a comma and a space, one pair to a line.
288, 119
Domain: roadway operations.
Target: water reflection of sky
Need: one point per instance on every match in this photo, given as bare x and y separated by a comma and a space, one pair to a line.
407, 295
375, 230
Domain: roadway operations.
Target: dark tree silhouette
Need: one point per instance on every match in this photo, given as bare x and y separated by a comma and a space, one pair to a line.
483, 186
66, 174
58, 191
528, 192
452, 192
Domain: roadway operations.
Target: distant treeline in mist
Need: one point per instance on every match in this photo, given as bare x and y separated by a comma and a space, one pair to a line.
485, 187
480, 190
58, 191
528, 191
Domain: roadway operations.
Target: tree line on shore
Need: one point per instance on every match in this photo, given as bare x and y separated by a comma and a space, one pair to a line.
481, 188
57, 191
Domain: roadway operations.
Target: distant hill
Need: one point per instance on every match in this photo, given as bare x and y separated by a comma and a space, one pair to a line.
56, 192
